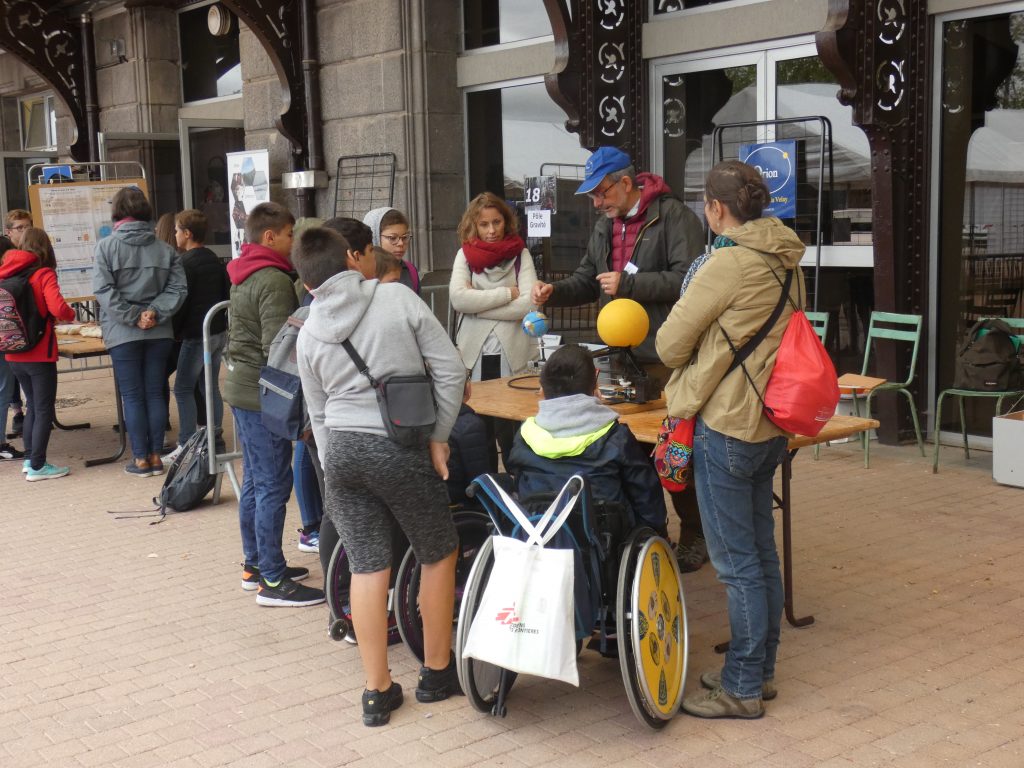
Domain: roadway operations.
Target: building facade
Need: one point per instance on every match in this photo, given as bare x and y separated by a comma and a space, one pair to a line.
907, 119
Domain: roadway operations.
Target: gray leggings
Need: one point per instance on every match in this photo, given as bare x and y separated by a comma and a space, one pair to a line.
373, 484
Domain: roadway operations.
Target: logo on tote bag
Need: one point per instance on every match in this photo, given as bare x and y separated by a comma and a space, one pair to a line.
509, 617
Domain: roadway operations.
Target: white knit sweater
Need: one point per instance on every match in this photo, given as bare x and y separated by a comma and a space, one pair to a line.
485, 303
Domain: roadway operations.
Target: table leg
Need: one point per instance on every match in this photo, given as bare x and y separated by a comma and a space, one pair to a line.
787, 543
121, 430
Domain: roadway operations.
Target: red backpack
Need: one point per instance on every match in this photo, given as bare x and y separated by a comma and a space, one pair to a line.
22, 325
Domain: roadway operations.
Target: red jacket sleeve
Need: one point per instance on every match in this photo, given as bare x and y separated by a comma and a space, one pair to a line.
48, 296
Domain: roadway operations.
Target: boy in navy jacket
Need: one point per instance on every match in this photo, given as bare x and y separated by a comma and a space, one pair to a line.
575, 434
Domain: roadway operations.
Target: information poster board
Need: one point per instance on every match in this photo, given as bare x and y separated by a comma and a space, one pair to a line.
248, 186
76, 216
776, 162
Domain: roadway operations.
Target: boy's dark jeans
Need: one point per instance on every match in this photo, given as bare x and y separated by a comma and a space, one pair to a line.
266, 486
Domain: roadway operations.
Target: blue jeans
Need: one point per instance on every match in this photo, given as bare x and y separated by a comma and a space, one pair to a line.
266, 486
307, 488
190, 372
734, 491
140, 368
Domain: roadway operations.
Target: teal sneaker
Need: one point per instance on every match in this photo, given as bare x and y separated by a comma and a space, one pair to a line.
25, 467
46, 472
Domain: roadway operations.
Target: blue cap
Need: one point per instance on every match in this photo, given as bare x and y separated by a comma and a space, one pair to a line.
605, 160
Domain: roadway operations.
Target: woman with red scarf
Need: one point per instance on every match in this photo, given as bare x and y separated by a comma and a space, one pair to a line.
490, 288
492, 277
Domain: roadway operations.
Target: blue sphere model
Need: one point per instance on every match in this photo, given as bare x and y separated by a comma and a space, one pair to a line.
535, 324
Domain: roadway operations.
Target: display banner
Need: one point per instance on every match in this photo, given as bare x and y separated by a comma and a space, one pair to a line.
248, 186
776, 161
76, 216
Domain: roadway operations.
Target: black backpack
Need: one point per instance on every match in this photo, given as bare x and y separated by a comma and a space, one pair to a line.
22, 326
188, 479
988, 360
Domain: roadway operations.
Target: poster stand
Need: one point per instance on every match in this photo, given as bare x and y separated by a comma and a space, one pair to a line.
76, 214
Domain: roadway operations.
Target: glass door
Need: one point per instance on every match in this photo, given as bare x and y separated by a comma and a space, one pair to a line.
204, 146
14, 185
692, 96
978, 256
160, 155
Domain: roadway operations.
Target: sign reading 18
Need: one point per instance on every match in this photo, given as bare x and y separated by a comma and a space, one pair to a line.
533, 195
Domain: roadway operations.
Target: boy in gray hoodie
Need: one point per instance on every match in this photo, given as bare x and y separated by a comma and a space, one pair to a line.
371, 482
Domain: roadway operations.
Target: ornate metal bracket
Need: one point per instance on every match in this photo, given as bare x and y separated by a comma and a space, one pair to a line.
878, 50
53, 48
600, 76
276, 24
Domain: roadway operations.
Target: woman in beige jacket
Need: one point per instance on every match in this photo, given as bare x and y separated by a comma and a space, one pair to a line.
490, 288
726, 298
492, 277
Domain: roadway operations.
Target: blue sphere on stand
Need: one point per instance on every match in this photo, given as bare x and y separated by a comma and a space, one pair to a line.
535, 324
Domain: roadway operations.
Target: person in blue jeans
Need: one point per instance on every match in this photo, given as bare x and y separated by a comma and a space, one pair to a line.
727, 297
262, 298
139, 284
208, 285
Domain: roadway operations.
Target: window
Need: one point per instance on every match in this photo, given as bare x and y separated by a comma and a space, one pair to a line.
38, 120
210, 64
496, 22
517, 131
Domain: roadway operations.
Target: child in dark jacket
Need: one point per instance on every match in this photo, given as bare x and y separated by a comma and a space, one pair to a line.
575, 434
468, 442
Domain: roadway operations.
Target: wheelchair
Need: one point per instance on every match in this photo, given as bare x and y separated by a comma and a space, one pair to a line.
473, 527
634, 586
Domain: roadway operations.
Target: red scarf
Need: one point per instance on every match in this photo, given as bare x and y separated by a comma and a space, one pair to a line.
480, 255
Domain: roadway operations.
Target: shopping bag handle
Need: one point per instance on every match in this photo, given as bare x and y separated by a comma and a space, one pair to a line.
545, 528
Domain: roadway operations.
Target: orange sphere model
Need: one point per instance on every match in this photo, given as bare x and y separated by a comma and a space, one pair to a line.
622, 323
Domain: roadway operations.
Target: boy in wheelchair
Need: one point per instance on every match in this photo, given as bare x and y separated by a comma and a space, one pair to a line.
575, 434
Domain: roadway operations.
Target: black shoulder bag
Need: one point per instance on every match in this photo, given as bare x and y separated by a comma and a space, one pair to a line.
406, 403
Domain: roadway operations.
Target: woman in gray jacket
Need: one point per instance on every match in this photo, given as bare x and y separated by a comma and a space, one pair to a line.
139, 283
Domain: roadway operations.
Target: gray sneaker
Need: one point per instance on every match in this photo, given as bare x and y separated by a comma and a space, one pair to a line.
712, 679
718, 703
693, 555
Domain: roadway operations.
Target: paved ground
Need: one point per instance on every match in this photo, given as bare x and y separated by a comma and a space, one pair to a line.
125, 644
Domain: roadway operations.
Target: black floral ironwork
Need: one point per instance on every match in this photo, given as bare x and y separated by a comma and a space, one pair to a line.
51, 46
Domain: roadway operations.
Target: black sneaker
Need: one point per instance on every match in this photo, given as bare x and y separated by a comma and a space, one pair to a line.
438, 684
377, 706
9, 453
288, 594
18, 424
251, 576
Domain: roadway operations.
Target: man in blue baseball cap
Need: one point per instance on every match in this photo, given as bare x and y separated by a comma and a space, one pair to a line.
640, 250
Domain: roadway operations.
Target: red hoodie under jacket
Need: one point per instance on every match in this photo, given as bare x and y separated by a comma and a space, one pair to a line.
48, 299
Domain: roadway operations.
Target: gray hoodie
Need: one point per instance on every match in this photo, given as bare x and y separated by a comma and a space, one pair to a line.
134, 272
394, 332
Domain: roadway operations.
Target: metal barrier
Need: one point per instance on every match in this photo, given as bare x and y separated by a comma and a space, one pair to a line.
220, 463
436, 297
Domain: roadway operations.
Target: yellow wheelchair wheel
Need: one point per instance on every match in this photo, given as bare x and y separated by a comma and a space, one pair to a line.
652, 632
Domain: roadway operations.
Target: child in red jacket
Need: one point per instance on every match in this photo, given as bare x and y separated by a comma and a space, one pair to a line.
36, 368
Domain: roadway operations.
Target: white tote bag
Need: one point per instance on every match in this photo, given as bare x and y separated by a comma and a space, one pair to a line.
525, 619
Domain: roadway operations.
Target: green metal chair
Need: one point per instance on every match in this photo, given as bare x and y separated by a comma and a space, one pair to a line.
819, 322
1017, 324
891, 327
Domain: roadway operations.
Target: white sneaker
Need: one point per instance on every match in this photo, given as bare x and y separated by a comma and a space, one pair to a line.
170, 457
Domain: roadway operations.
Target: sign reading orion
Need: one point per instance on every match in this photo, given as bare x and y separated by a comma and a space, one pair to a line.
776, 161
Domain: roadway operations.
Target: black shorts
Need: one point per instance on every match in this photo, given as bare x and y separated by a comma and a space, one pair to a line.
373, 484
